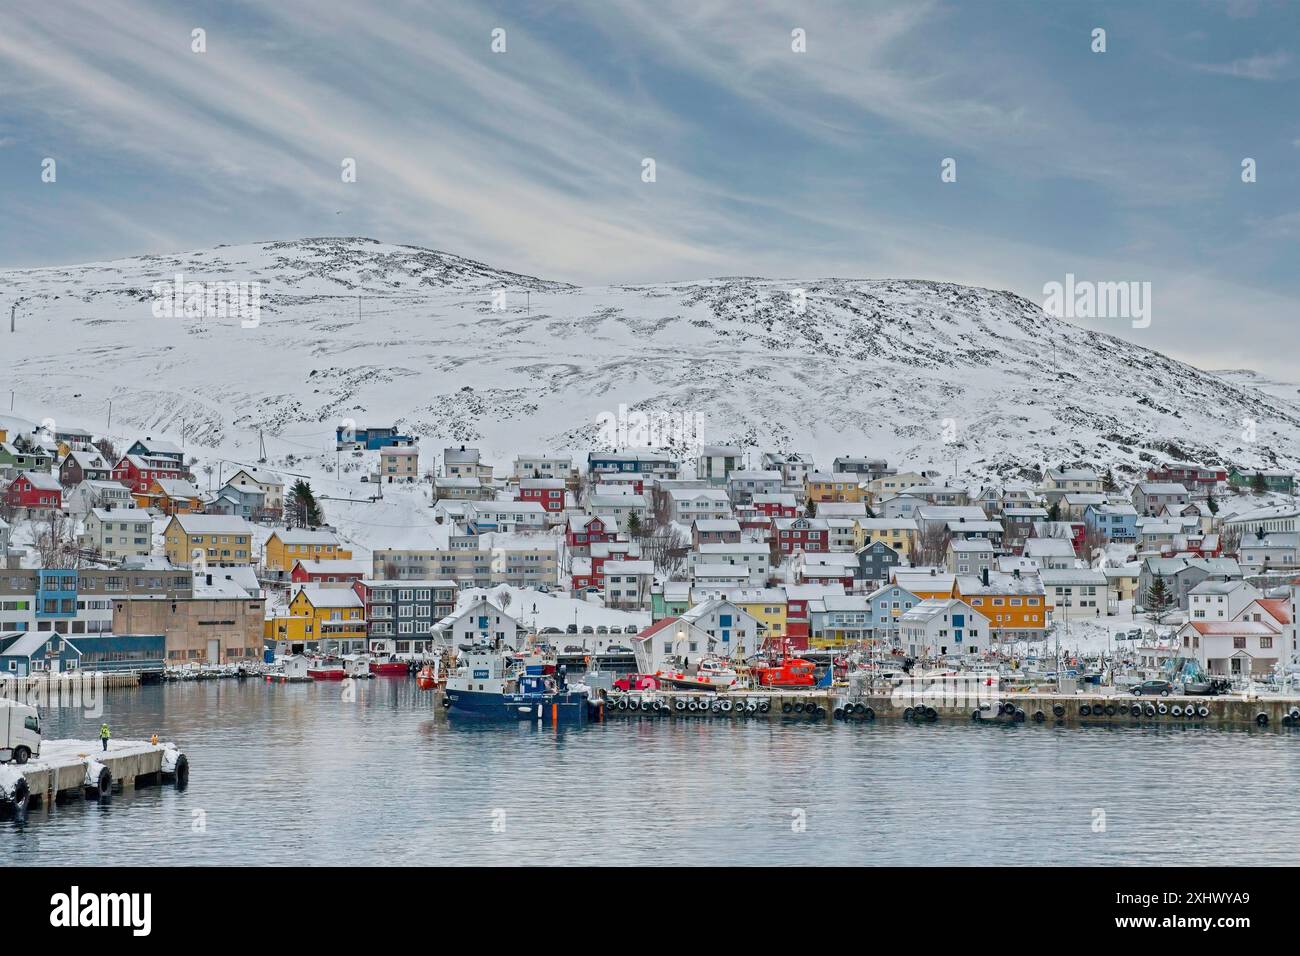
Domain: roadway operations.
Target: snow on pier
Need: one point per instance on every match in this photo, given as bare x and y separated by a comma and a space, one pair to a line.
83, 766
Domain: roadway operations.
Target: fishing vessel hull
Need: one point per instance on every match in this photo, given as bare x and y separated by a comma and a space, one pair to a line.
389, 668
567, 708
326, 673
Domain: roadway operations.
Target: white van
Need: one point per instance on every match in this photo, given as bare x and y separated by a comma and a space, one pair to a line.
20, 731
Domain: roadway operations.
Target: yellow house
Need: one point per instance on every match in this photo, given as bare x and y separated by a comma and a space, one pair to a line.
767, 605
209, 539
898, 533
926, 583
1124, 581
833, 486
317, 613
283, 548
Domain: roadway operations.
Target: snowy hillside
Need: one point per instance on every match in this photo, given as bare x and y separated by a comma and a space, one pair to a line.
383, 334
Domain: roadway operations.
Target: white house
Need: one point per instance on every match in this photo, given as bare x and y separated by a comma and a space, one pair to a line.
479, 621
619, 507
117, 534
1235, 648
628, 583
939, 627
1219, 600
1074, 593
688, 504
754, 557
1054, 553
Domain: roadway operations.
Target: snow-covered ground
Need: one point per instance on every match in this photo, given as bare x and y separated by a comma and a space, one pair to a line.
352, 329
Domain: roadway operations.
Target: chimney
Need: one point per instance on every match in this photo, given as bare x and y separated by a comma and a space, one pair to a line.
1015, 573
985, 576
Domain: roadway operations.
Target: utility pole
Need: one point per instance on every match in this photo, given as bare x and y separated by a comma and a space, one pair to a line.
110, 415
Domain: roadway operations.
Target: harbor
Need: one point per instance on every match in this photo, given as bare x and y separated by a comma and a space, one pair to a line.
300, 774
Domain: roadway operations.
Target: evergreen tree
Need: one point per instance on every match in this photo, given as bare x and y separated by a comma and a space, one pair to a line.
1212, 504
1159, 599
811, 510
1258, 484
303, 509
634, 525
1054, 512
1108, 482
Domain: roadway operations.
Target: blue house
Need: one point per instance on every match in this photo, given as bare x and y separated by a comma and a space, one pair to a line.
370, 439
1116, 521
242, 502
886, 606
56, 594
24, 653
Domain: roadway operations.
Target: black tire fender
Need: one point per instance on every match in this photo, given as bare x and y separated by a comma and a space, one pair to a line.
104, 783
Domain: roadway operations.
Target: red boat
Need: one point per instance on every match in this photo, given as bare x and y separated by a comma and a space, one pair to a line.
326, 670
786, 672
387, 667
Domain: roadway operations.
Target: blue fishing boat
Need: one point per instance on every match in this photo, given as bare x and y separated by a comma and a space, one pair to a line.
488, 686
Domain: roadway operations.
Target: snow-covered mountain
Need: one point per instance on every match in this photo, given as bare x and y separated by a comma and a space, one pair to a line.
919, 372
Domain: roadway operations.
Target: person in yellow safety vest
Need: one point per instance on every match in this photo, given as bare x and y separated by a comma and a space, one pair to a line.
104, 735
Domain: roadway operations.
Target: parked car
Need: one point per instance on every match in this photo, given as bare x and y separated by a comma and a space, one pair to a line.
588, 629
571, 629
630, 629
616, 629
574, 649
602, 629
618, 649
1135, 634
551, 630
1153, 688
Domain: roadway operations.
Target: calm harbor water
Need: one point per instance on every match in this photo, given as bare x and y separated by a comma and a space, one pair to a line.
293, 774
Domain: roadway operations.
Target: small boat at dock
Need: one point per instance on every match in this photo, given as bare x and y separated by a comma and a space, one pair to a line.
386, 666
326, 669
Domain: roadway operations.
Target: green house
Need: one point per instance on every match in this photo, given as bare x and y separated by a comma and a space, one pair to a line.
1247, 479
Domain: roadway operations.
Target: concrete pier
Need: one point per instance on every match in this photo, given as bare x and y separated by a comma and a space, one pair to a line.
81, 768
1011, 707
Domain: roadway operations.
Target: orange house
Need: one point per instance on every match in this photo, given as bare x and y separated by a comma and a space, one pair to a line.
1015, 603
170, 496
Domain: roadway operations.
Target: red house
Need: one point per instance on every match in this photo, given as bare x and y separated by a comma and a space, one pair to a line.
585, 530
35, 491
775, 506
547, 492
326, 572
139, 472
1201, 479
802, 534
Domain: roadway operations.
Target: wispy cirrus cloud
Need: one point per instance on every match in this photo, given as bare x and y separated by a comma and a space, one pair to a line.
1264, 66
769, 161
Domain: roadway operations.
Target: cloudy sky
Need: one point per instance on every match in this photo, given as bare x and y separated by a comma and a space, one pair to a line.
1117, 166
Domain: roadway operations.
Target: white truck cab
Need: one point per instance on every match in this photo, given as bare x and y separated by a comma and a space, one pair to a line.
20, 731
